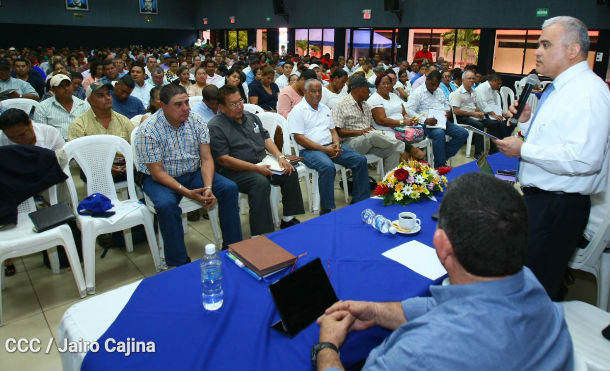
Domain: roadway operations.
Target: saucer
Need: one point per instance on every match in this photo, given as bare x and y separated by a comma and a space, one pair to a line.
406, 231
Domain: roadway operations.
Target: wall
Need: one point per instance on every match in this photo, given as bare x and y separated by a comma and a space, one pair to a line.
416, 13
173, 14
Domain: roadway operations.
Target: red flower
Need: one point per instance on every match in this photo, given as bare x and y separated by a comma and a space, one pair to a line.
444, 170
401, 174
381, 190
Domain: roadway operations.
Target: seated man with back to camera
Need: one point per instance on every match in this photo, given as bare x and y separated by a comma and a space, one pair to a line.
493, 315
313, 129
173, 150
239, 142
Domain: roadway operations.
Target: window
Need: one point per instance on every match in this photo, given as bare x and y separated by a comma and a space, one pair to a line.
314, 41
366, 42
240, 36
384, 44
514, 50
459, 47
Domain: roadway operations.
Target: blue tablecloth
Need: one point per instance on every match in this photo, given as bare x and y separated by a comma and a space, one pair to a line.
167, 308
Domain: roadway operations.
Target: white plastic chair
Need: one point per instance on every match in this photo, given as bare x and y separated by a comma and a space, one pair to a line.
518, 88
378, 161
253, 108
314, 200
95, 155
22, 240
508, 97
136, 120
470, 133
585, 323
24, 104
532, 100
186, 205
194, 100
269, 119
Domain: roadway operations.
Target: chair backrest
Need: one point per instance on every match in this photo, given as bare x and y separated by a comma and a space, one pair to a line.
194, 100
24, 104
95, 156
136, 120
518, 88
253, 108
273, 120
508, 97
29, 205
133, 146
532, 100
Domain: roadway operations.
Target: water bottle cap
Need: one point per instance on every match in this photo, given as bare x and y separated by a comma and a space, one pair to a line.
210, 249
392, 230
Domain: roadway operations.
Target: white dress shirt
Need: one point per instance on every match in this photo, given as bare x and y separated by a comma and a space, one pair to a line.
217, 80
142, 93
566, 147
314, 124
488, 99
419, 82
46, 137
281, 82
421, 100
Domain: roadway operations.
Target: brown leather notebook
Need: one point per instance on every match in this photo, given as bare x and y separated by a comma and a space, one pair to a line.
262, 255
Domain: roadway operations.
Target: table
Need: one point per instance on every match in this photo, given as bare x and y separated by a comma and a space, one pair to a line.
167, 307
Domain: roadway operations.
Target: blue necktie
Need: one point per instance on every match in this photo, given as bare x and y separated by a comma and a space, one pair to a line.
545, 95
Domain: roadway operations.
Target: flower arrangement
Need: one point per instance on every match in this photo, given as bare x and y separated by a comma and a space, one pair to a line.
410, 182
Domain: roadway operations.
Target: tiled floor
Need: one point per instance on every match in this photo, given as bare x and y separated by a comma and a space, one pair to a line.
34, 300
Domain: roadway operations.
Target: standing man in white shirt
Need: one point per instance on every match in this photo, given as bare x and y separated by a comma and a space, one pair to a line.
564, 158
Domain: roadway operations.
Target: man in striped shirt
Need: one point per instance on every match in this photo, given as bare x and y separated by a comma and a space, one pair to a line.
62, 108
173, 150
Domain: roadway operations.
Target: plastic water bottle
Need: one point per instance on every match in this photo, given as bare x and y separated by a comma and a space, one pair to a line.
378, 221
211, 278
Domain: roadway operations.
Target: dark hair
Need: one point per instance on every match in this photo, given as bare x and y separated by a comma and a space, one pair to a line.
289, 62
76, 75
169, 91
137, 64
402, 72
486, 221
457, 74
224, 92
210, 92
105, 63
434, 75
242, 79
338, 73
308, 74
13, 117
267, 70
127, 81
182, 69
493, 77
153, 91
208, 61
390, 71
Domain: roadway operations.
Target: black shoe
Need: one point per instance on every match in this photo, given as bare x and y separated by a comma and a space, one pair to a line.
290, 223
9, 270
193, 216
325, 211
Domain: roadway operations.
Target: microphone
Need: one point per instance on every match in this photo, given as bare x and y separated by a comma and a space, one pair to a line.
532, 80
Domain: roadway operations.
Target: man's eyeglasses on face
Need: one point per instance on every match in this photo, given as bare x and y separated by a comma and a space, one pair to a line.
236, 104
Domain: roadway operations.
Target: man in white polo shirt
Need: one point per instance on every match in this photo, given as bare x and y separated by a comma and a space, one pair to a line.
62, 108
314, 131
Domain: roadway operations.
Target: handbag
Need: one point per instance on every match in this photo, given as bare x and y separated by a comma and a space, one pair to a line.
410, 134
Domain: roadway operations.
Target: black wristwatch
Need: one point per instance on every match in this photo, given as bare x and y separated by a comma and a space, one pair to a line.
318, 347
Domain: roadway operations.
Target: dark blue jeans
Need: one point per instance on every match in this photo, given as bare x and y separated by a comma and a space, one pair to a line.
170, 222
325, 166
442, 151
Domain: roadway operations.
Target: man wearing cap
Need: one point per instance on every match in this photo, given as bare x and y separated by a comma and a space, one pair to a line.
123, 102
100, 119
353, 117
22, 88
62, 108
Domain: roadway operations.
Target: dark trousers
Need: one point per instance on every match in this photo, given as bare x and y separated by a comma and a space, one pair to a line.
494, 127
258, 188
556, 224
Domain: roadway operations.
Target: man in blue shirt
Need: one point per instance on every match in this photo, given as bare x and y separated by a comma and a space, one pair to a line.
123, 102
208, 107
494, 315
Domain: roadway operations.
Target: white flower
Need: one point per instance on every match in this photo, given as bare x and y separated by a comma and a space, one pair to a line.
419, 179
407, 190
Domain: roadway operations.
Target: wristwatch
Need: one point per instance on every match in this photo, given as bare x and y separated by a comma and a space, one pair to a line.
402, 122
208, 187
318, 347
281, 157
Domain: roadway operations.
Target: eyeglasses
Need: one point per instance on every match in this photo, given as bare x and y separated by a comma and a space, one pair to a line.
236, 104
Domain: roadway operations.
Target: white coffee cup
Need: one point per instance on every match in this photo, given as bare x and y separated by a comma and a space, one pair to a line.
408, 220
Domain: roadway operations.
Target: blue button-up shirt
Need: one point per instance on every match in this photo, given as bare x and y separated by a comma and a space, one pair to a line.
204, 111
507, 324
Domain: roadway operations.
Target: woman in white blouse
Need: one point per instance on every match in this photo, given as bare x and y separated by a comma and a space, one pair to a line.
389, 112
336, 89
403, 86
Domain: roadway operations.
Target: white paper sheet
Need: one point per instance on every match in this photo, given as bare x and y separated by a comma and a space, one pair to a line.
419, 258
122, 209
273, 163
440, 116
